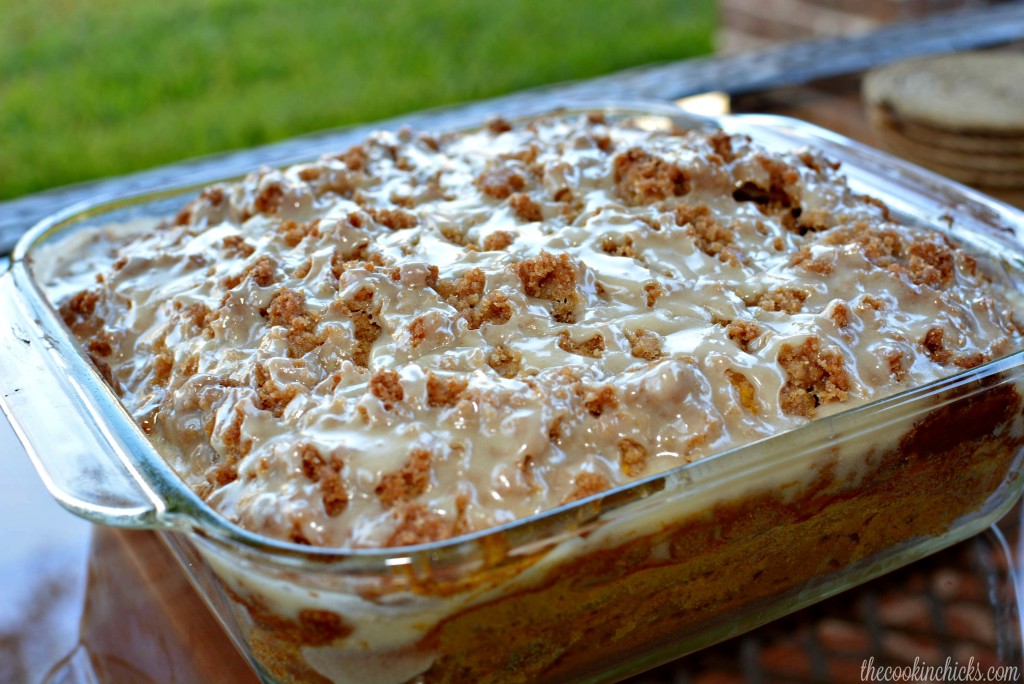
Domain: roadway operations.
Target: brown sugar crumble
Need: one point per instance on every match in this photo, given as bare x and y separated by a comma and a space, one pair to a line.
814, 377
408, 482
840, 314
504, 361
525, 208
363, 311
466, 295
101, 344
418, 331
870, 302
80, 306
632, 457
553, 278
710, 236
788, 300
652, 290
817, 164
743, 332
234, 439
896, 363
618, 245
163, 364
924, 260
444, 391
643, 178
236, 244
930, 263
303, 269
592, 346
600, 400
198, 314
495, 309
644, 344
498, 240
822, 265
417, 524
498, 125
776, 197
721, 143
184, 216
263, 271
387, 386
395, 219
745, 389
294, 232
288, 309
465, 292
222, 474
355, 158
935, 346
587, 484
268, 201
214, 195
501, 182
271, 396
326, 472
967, 361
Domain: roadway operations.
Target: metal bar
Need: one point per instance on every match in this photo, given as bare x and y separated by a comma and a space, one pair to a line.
804, 61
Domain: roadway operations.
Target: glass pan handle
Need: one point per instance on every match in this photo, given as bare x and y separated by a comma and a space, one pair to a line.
78, 462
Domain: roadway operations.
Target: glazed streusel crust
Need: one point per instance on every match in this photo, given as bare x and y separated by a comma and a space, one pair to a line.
429, 335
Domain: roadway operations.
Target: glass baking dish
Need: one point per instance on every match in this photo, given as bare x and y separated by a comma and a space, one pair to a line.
591, 591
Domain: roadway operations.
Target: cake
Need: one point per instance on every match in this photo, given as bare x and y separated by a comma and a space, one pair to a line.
428, 336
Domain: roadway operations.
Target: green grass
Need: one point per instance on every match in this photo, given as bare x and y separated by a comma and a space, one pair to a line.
100, 87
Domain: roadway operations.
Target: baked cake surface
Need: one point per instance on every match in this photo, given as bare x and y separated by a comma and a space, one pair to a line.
429, 335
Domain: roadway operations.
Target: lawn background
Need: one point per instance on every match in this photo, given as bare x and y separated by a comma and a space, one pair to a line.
90, 88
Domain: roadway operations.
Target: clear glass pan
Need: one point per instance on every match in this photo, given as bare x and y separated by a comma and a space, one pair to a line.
590, 591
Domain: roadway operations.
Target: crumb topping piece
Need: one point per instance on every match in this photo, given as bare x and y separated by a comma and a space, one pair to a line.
506, 362
553, 278
288, 309
632, 457
814, 377
444, 391
525, 208
387, 386
592, 346
644, 344
327, 473
408, 482
710, 236
643, 178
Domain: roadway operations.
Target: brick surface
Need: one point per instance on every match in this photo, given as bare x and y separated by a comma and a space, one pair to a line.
786, 660
905, 611
949, 583
971, 621
843, 636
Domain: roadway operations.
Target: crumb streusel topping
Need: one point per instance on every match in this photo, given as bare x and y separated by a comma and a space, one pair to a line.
429, 335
